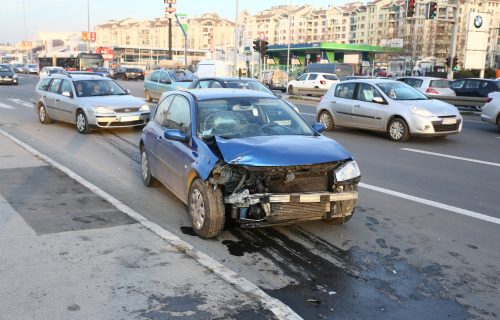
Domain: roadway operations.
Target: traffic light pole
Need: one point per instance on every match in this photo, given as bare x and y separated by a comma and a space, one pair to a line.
453, 43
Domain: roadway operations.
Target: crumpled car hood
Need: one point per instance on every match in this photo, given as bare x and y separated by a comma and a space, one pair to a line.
264, 151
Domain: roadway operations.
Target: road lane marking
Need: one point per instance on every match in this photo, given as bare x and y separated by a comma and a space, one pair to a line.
431, 203
309, 114
281, 310
5, 106
23, 103
452, 157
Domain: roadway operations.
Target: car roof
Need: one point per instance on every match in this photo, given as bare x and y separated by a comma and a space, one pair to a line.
222, 93
371, 81
475, 79
79, 76
422, 78
228, 78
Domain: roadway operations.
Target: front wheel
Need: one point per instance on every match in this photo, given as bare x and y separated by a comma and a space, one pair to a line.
147, 177
147, 96
326, 118
290, 89
498, 123
206, 209
398, 130
82, 125
43, 116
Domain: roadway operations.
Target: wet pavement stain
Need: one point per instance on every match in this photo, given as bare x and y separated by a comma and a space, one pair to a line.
367, 286
188, 230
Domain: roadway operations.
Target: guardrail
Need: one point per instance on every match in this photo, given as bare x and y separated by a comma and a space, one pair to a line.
459, 101
311, 91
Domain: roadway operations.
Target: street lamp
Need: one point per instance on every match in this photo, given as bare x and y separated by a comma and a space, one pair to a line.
88, 26
170, 10
289, 39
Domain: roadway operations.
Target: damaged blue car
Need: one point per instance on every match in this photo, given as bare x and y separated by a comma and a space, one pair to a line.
246, 156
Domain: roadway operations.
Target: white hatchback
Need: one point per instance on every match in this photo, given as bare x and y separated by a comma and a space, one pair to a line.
312, 80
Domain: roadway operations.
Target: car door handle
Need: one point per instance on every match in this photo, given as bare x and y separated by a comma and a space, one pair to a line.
44, 96
333, 101
58, 100
356, 106
159, 138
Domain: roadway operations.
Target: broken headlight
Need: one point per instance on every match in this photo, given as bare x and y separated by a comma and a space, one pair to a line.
348, 171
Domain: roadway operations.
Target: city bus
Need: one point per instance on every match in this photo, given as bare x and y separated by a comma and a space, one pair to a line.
71, 62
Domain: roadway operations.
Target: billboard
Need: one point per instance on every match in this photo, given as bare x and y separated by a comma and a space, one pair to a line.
476, 42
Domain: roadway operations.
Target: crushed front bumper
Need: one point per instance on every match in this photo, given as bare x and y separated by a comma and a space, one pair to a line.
285, 208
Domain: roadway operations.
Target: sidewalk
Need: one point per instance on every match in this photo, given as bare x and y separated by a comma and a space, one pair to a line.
68, 254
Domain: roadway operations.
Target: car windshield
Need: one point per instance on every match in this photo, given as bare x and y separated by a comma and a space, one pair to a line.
181, 75
250, 85
134, 70
442, 83
92, 88
249, 117
5, 69
57, 70
400, 91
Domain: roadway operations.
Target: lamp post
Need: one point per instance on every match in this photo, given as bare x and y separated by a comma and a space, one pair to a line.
289, 40
236, 40
170, 10
88, 26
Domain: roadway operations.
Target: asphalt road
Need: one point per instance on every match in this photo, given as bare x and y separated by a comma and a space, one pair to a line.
421, 245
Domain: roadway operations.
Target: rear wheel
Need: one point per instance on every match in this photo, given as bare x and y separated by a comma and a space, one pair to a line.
326, 118
398, 130
290, 89
147, 96
206, 209
82, 125
147, 177
498, 123
43, 116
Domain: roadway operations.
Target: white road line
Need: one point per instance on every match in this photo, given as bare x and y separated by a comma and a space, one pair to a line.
281, 310
452, 157
431, 203
309, 114
5, 106
23, 103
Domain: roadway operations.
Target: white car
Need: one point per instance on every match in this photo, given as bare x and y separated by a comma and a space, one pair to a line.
32, 68
312, 80
429, 85
47, 71
491, 110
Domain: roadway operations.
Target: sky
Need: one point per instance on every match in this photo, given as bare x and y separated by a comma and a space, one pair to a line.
71, 15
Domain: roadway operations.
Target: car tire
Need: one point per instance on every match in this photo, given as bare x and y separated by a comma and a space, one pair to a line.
326, 118
290, 89
43, 115
498, 123
82, 124
147, 96
397, 130
347, 211
206, 209
147, 177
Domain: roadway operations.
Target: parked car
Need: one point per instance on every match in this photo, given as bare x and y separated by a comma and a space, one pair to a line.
229, 82
162, 80
339, 69
47, 71
128, 74
7, 74
21, 68
387, 106
472, 87
32, 68
90, 101
275, 79
103, 71
491, 110
356, 78
246, 156
312, 81
429, 85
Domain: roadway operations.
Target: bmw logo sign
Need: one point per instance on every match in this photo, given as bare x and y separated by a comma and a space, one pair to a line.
478, 22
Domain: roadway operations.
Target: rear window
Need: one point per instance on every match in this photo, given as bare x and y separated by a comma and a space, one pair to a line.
330, 77
442, 83
133, 70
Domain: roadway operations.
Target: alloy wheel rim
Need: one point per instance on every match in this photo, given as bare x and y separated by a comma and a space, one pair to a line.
42, 114
144, 165
325, 119
396, 131
197, 207
80, 122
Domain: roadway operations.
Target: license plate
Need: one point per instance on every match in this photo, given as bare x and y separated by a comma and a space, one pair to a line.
449, 121
129, 118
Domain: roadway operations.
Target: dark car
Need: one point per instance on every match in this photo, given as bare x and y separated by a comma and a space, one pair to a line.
128, 74
7, 74
246, 156
473, 87
230, 82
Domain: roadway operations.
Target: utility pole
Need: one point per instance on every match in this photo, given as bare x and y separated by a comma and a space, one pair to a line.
88, 26
26, 32
289, 40
453, 41
236, 40
170, 10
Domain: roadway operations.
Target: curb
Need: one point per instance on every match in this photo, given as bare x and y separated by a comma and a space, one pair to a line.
278, 308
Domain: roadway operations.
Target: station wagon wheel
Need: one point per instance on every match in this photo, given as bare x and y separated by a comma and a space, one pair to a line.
326, 118
206, 209
498, 123
290, 89
43, 116
398, 130
82, 125
147, 96
147, 177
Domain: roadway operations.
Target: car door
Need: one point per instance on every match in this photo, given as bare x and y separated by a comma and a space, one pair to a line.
300, 82
153, 135
164, 83
366, 113
151, 84
66, 105
203, 84
177, 157
311, 81
50, 99
471, 88
343, 102
459, 87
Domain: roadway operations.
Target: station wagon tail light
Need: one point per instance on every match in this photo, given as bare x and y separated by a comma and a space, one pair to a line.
431, 91
489, 99
322, 81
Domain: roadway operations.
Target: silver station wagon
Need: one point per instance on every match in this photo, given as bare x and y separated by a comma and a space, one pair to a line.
387, 106
90, 101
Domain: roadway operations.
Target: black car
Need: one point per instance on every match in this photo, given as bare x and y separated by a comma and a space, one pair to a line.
128, 73
7, 74
230, 82
473, 87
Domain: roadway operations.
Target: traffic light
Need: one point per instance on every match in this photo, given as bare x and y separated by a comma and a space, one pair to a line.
432, 8
263, 47
410, 8
256, 45
455, 62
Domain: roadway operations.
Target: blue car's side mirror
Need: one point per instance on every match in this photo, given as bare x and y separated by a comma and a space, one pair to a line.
318, 127
176, 135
